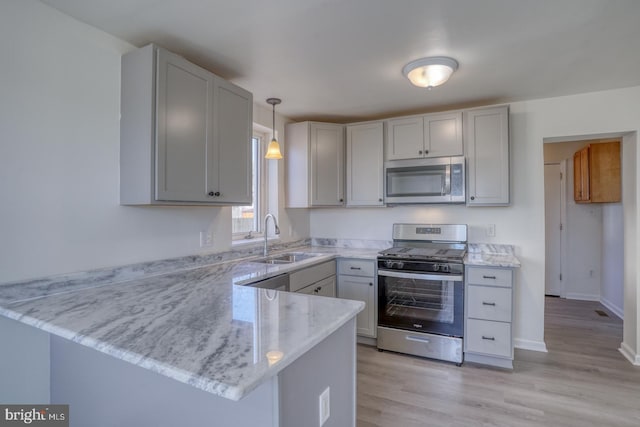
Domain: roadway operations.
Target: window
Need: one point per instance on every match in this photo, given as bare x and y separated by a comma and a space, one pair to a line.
246, 220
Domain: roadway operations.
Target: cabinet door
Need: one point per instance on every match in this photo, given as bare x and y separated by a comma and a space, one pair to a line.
365, 164
184, 125
443, 134
360, 289
405, 138
327, 164
577, 177
230, 160
604, 172
487, 148
581, 188
324, 288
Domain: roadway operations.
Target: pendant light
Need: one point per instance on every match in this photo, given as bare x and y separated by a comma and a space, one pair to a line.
273, 150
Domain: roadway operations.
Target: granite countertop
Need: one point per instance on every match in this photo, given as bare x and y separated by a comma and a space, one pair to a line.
194, 324
491, 255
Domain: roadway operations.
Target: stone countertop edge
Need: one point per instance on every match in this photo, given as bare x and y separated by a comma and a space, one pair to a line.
234, 393
491, 255
33, 311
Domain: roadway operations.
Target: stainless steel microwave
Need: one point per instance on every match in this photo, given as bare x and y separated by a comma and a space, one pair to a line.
434, 180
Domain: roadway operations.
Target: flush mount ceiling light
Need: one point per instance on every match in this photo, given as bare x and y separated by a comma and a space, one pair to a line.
273, 150
430, 72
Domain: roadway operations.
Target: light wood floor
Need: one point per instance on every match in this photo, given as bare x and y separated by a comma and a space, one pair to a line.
582, 381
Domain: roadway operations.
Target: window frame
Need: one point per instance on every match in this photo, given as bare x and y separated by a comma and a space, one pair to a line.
262, 188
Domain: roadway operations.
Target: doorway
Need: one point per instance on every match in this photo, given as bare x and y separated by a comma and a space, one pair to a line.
583, 241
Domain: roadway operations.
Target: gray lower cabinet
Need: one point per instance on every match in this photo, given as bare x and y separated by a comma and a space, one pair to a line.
185, 133
488, 335
318, 279
324, 288
357, 281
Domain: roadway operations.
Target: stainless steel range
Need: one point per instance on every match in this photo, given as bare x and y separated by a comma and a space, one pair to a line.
421, 291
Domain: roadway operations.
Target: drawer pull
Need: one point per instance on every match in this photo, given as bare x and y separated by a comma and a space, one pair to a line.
417, 339
489, 277
489, 303
488, 338
355, 268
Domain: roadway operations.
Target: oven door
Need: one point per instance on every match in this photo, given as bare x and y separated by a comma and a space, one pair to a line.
432, 303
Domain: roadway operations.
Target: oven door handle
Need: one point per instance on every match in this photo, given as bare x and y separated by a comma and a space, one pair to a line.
438, 277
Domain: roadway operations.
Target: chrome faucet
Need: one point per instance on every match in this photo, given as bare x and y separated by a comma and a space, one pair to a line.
275, 224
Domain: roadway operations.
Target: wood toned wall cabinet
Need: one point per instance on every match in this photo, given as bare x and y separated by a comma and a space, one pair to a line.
596, 173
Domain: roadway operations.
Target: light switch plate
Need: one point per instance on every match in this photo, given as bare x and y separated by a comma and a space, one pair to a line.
325, 407
206, 239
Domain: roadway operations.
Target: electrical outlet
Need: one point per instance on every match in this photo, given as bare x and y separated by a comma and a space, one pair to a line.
206, 239
491, 230
325, 406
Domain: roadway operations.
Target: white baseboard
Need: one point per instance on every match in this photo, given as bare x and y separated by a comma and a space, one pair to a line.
530, 345
629, 354
367, 341
613, 308
583, 297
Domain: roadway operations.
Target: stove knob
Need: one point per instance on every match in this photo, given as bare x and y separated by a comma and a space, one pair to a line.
400, 265
436, 267
388, 264
445, 268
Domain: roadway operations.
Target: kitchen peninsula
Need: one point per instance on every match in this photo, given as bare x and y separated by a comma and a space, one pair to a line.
162, 345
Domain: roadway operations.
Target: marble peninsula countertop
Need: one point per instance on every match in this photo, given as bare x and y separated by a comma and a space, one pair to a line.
491, 255
188, 318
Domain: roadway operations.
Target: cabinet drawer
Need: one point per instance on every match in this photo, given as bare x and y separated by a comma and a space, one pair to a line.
303, 278
324, 288
489, 303
487, 337
489, 276
356, 267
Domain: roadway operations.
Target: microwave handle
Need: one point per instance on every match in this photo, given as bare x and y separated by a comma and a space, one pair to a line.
447, 181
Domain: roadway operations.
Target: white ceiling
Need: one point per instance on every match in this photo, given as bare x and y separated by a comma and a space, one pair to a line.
341, 60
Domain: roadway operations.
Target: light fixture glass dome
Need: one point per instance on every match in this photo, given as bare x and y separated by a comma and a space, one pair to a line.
430, 72
273, 150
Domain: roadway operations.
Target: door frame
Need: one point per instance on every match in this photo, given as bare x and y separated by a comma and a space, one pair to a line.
563, 221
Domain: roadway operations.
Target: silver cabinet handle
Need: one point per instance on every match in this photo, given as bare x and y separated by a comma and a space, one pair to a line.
488, 338
370, 284
489, 277
488, 303
355, 268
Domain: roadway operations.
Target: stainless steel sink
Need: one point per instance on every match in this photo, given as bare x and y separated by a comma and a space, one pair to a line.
286, 258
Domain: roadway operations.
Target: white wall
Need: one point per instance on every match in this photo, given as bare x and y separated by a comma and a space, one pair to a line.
59, 156
522, 223
611, 290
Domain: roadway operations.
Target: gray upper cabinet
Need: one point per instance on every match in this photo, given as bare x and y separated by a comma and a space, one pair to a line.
486, 135
232, 127
315, 164
365, 181
185, 133
431, 135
